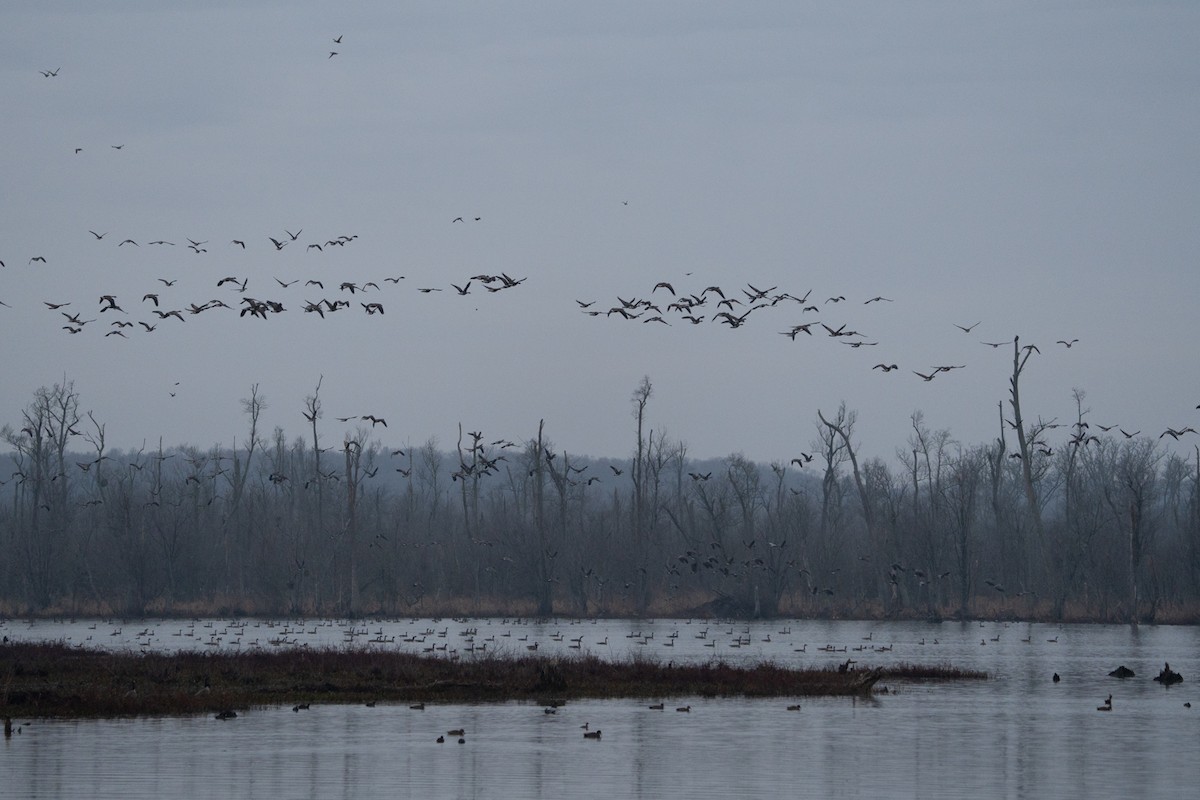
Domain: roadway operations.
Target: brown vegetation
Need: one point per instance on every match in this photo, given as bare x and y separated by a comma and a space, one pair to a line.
56, 680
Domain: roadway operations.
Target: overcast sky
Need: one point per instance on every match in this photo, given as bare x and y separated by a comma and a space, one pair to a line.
1029, 169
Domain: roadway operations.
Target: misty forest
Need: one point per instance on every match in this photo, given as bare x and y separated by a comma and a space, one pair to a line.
1103, 525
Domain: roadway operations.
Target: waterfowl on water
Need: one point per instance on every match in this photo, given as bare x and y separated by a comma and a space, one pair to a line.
1107, 705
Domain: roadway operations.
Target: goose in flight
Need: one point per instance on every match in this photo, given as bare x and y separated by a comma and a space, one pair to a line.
886, 367
98, 235
1065, 342
967, 328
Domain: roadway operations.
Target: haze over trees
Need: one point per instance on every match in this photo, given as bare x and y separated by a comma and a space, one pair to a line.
1103, 527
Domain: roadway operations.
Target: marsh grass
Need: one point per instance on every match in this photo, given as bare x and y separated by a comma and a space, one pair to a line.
58, 680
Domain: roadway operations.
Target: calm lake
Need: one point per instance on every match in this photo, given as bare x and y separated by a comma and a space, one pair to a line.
1018, 734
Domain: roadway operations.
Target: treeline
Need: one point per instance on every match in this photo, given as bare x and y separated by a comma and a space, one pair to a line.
1100, 528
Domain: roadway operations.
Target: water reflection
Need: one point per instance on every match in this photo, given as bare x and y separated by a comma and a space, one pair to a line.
1015, 735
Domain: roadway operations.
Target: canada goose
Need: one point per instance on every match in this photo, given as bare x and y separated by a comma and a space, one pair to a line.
684, 709
966, 328
1107, 705
591, 734
457, 732
656, 707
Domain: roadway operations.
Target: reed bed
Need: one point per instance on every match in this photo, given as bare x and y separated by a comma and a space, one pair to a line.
59, 680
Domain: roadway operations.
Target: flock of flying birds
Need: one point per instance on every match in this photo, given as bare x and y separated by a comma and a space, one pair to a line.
733, 310
713, 305
160, 304
663, 305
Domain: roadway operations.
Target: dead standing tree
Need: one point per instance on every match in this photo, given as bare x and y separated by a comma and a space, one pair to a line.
1024, 438
1133, 496
641, 396
842, 427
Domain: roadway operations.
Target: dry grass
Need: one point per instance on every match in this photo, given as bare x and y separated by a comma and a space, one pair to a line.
56, 680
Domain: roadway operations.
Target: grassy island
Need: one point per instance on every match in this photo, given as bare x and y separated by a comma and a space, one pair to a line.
58, 680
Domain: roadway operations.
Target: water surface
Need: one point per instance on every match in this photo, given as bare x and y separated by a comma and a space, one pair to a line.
1017, 734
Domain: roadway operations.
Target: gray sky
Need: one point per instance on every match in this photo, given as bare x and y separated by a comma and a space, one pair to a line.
1030, 167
